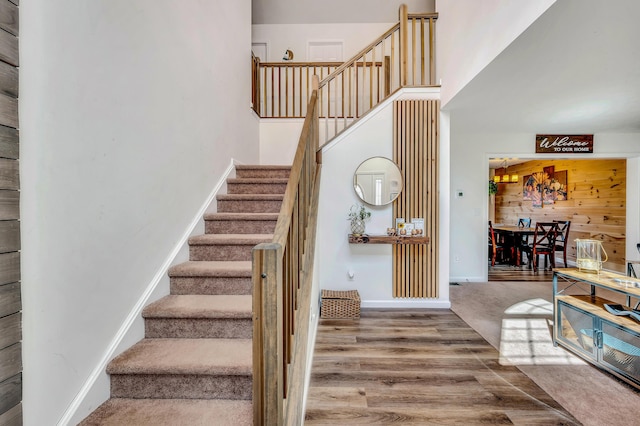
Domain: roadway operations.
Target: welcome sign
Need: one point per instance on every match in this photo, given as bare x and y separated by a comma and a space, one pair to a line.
564, 144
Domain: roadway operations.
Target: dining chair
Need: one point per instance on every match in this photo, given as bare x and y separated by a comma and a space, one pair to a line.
524, 222
544, 243
495, 248
523, 242
563, 238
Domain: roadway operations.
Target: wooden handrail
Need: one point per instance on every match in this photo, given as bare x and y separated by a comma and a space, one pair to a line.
283, 269
282, 278
358, 55
352, 90
402, 56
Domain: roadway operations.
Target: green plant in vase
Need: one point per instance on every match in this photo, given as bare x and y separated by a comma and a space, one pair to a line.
358, 213
493, 187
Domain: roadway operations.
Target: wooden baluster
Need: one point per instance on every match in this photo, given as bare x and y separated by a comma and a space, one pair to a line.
432, 63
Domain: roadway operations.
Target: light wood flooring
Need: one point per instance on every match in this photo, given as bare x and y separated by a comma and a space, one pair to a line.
418, 367
505, 272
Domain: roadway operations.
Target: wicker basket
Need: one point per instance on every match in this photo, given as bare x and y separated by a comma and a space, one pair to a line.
340, 304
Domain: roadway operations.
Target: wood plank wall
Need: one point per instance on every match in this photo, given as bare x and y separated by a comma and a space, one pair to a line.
415, 144
10, 293
596, 205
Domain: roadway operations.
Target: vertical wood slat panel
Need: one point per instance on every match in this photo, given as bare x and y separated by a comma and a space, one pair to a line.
416, 152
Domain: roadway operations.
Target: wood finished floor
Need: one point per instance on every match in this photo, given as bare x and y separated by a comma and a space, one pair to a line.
504, 272
418, 367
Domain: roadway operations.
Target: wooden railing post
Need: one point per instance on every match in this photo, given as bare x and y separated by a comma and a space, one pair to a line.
404, 46
268, 365
432, 61
315, 113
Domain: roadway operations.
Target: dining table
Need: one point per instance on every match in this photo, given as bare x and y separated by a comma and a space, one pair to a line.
512, 236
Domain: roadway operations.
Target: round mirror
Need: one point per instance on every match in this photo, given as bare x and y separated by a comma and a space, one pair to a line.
377, 181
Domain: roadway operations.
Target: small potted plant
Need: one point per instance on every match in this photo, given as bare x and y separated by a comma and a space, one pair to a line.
493, 187
357, 215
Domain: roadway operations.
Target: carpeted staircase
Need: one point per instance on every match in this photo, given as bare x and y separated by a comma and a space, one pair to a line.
194, 365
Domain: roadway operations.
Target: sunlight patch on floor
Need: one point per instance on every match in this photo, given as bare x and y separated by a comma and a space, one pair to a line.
526, 336
531, 307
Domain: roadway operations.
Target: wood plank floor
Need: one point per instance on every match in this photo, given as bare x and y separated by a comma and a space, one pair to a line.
504, 272
418, 367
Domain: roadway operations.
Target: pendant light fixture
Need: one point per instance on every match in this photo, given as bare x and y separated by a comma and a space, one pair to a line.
502, 176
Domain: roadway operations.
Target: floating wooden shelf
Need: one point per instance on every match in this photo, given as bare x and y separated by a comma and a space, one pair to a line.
386, 239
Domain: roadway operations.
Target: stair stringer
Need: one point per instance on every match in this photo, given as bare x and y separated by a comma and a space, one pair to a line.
95, 389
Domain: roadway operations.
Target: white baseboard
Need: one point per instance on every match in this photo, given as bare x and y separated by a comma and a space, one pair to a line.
74, 412
407, 304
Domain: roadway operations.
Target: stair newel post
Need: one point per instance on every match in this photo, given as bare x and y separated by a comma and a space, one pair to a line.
268, 340
404, 25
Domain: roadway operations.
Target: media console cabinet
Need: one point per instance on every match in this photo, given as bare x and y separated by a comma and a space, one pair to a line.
586, 328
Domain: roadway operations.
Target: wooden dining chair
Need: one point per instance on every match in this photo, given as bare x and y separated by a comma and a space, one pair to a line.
544, 243
563, 238
522, 243
495, 248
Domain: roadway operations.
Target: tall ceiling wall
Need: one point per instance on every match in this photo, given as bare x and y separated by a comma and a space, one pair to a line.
333, 11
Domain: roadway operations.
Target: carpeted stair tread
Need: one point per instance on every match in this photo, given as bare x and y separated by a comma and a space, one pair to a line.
241, 167
185, 356
250, 197
212, 268
200, 306
241, 216
171, 412
230, 239
252, 180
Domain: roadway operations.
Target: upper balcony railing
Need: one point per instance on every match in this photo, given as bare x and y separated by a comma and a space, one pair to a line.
402, 56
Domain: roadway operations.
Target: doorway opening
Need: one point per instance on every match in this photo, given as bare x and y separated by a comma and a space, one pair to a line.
589, 193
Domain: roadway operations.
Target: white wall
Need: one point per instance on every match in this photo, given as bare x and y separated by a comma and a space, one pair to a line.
280, 37
279, 140
130, 113
471, 33
371, 264
469, 173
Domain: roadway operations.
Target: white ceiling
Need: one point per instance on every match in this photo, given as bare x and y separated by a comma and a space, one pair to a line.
575, 70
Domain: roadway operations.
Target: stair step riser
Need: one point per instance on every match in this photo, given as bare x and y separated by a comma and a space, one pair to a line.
224, 252
256, 188
182, 386
210, 285
240, 226
263, 173
199, 328
249, 206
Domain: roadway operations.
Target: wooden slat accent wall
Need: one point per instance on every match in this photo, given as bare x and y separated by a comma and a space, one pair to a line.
415, 145
596, 205
10, 292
